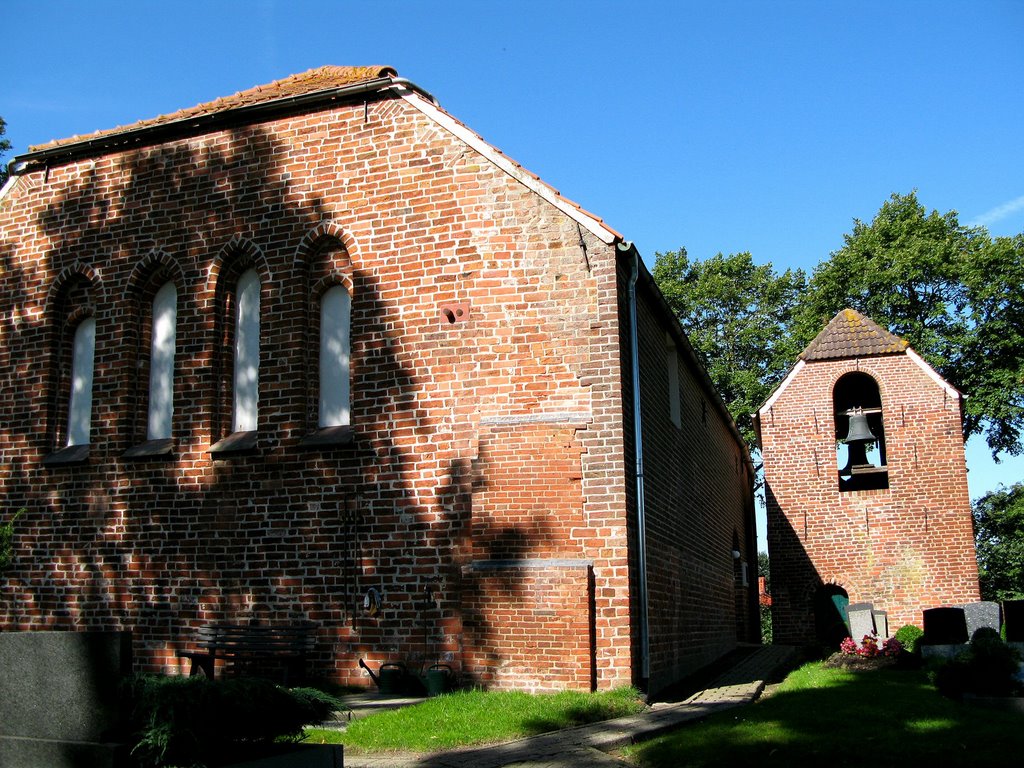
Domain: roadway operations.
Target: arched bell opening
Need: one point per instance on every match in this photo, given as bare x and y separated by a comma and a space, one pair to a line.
859, 433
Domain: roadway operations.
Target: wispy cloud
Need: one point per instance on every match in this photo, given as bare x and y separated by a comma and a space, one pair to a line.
999, 212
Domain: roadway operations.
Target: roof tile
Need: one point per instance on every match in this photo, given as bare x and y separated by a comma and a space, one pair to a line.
851, 334
320, 79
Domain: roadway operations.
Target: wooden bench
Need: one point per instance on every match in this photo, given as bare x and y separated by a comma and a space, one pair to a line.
251, 647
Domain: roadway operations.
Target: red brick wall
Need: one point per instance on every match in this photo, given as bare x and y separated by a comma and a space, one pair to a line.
527, 625
904, 548
698, 505
285, 533
487, 493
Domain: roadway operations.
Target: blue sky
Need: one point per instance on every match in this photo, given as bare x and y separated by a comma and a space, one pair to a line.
719, 126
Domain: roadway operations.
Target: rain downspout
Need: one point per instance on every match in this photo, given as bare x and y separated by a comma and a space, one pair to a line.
638, 437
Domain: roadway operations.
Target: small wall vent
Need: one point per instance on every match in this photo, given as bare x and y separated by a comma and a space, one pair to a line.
454, 314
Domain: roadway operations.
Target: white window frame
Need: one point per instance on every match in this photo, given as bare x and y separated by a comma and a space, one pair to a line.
163, 338
245, 408
335, 320
83, 354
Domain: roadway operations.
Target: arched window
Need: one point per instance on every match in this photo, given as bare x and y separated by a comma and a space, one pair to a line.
245, 409
83, 351
72, 321
335, 309
860, 434
324, 263
161, 362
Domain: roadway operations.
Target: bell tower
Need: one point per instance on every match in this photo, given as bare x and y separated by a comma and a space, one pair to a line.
865, 484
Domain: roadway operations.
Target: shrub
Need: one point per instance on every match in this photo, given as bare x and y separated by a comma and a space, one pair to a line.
986, 668
193, 720
766, 624
910, 637
7, 541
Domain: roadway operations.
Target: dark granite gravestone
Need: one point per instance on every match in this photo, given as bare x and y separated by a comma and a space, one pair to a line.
981, 614
945, 626
60, 703
1013, 615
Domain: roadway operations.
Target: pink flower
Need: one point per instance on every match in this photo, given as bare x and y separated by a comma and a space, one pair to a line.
892, 647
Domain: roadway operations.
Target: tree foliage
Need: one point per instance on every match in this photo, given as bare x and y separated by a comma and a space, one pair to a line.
952, 291
5, 146
738, 316
999, 537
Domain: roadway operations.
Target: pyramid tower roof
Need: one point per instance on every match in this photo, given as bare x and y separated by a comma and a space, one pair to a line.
851, 334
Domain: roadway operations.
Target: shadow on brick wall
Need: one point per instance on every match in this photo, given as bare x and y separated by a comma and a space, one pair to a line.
163, 545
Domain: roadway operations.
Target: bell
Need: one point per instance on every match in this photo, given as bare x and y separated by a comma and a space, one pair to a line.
857, 438
859, 431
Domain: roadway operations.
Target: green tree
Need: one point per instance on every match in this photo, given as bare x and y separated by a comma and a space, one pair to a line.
764, 569
989, 365
948, 289
999, 535
738, 317
5, 146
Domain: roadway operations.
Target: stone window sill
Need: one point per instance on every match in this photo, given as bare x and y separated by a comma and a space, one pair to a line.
236, 443
151, 449
66, 457
328, 438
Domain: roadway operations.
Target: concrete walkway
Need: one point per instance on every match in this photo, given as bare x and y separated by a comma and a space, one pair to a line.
589, 745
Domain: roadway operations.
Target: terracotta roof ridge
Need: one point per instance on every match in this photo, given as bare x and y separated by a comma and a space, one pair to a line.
323, 78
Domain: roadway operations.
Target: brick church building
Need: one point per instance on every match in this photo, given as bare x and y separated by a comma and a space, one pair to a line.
316, 352
884, 519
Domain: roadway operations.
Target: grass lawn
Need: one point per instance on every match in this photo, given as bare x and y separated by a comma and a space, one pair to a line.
475, 717
832, 717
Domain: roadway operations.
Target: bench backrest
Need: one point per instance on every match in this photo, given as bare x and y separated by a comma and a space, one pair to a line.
244, 638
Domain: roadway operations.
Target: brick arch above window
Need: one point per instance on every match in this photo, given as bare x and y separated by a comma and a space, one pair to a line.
321, 286
234, 258
150, 272
324, 233
72, 276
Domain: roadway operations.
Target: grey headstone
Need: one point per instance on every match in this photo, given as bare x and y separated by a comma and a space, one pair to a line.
861, 621
981, 614
881, 619
941, 652
945, 626
36, 753
60, 697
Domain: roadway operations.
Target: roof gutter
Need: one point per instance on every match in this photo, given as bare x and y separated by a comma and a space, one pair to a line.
153, 134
